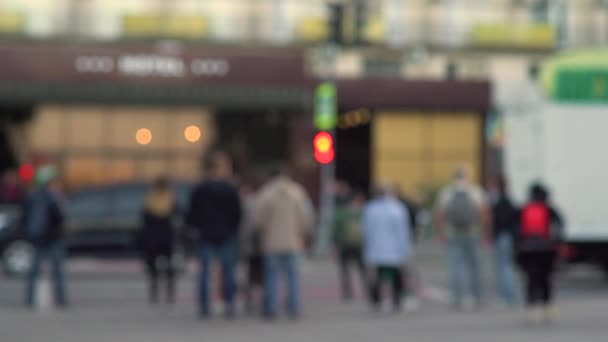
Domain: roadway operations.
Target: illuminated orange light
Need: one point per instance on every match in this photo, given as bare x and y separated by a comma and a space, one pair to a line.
192, 133
143, 136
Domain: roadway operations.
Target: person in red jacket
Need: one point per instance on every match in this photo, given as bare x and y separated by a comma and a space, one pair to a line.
539, 235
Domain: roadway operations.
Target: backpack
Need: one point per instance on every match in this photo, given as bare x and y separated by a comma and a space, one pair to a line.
37, 217
461, 211
536, 221
352, 232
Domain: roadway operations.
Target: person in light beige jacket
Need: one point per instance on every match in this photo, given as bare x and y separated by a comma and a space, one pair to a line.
283, 214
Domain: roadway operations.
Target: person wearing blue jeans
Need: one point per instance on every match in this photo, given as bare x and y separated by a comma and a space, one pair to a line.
56, 253
505, 223
464, 253
463, 219
284, 217
215, 214
505, 268
42, 222
288, 265
226, 254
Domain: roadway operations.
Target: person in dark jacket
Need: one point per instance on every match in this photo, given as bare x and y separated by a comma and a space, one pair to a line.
348, 242
540, 231
43, 223
504, 227
157, 238
215, 213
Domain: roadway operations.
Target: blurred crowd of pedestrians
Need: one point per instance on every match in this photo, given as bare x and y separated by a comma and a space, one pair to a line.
377, 238
268, 226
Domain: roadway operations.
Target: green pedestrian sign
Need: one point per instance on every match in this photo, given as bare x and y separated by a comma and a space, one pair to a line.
326, 107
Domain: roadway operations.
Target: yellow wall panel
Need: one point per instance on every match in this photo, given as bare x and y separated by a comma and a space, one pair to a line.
423, 149
397, 131
450, 131
442, 169
407, 174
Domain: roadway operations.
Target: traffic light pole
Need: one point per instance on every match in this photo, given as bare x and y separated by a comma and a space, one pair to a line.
326, 112
328, 171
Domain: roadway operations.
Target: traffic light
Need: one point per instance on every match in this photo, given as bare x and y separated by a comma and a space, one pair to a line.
360, 21
336, 21
324, 148
326, 107
26, 172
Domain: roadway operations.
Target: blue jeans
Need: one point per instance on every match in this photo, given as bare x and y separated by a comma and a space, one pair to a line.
464, 252
56, 253
288, 264
226, 253
505, 269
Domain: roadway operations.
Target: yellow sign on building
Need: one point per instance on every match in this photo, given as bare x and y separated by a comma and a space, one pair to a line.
11, 22
316, 29
177, 26
514, 35
312, 29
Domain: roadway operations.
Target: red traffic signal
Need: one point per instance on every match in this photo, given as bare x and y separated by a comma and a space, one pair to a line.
26, 172
324, 148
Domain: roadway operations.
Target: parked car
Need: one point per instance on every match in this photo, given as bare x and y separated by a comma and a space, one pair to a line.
101, 222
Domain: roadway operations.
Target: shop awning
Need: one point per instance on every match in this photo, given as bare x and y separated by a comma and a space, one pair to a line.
224, 96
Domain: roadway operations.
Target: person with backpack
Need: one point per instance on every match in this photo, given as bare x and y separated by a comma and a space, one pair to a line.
504, 227
537, 244
42, 220
462, 220
348, 242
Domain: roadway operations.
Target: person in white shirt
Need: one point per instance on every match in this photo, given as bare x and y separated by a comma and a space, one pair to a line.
387, 244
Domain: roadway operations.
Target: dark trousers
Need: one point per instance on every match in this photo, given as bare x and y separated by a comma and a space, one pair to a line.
255, 281
55, 252
159, 264
538, 267
378, 275
349, 257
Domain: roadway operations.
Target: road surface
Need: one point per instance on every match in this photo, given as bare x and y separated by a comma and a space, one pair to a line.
109, 305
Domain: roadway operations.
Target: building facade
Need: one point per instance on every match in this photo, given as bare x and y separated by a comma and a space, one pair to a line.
123, 90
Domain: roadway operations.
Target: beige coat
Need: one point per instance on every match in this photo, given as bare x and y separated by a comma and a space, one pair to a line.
284, 215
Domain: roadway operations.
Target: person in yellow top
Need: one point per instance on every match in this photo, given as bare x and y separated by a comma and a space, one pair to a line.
157, 238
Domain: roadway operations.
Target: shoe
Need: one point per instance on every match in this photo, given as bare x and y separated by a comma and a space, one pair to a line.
457, 307
268, 317
62, 306
534, 315
549, 313
294, 317
412, 304
204, 315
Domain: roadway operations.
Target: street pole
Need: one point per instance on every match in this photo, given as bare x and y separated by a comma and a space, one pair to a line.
328, 171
